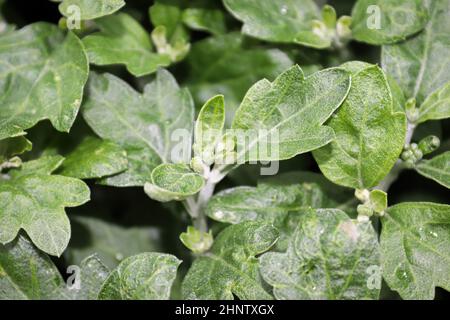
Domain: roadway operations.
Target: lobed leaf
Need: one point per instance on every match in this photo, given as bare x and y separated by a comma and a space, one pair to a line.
146, 276
231, 267
328, 257
286, 117
42, 75
369, 134
34, 200
89, 9
414, 248
387, 21
146, 128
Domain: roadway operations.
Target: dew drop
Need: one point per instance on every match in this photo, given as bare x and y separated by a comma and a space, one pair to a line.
119, 256
403, 274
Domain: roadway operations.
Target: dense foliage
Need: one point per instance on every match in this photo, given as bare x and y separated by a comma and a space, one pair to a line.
210, 149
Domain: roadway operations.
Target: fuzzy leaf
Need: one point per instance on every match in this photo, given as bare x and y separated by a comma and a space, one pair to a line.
231, 267
173, 182
437, 105
90, 9
279, 20
415, 241
169, 13
208, 127
122, 40
327, 258
437, 169
369, 135
27, 273
92, 274
110, 242
231, 74
144, 127
94, 158
42, 75
286, 117
421, 64
146, 276
397, 20
34, 200
268, 202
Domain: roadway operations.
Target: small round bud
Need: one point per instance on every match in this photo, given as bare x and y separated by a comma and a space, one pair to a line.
410, 164
429, 144
414, 146
406, 155
418, 154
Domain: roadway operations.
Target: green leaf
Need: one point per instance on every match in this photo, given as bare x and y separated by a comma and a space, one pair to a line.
279, 20
122, 40
111, 242
90, 9
231, 267
386, 21
437, 105
369, 135
268, 201
92, 274
146, 276
173, 182
378, 200
421, 65
42, 76
34, 200
437, 169
12, 147
208, 128
286, 116
212, 72
205, 15
145, 127
328, 257
414, 248
169, 13
197, 241
27, 273
94, 158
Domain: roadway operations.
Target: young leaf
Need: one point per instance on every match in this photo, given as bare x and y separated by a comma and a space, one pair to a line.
146, 276
328, 257
34, 200
12, 147
437, 105
437, 169
387, 21
231, 267
231, 74
208, 128
414, 248
145, 127
205, 15
173, 182
42, 76
122, 40
89, 9
420, 65
168, 13
369, 135
268, 202
110, 242
94, 158
287, 116
27, 273
279, 20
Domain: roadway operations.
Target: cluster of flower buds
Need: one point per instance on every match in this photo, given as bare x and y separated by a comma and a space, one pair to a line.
414, 152
331, 28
